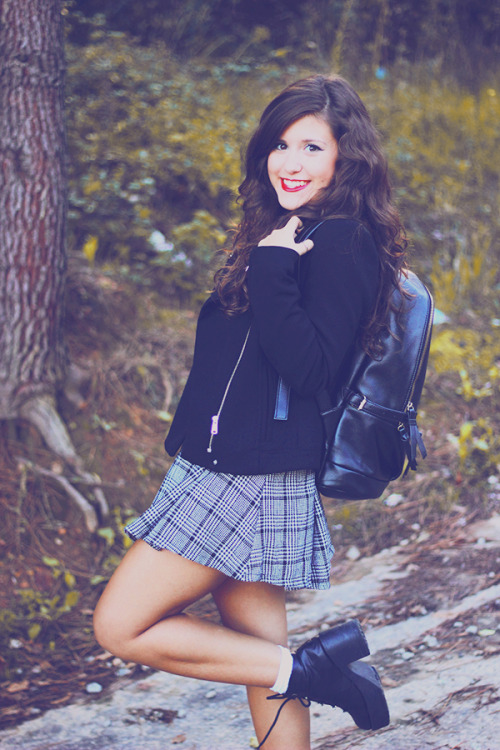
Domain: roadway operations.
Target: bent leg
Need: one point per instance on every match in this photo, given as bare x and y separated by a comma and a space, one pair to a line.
140, 618
258, 609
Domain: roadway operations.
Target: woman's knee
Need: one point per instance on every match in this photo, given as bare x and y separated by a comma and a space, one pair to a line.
110, 630
103, 629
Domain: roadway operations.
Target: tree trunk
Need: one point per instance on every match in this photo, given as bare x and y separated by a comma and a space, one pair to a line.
32, 223
32, 202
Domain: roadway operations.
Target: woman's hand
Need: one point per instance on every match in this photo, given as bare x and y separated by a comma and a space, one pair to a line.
285, 237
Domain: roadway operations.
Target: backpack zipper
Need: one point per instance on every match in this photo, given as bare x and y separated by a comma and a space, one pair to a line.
214, 428
423, 345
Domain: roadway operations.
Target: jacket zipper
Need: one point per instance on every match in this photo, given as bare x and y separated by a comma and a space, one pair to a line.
214, 428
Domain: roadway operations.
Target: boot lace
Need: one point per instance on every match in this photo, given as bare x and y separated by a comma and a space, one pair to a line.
305, 702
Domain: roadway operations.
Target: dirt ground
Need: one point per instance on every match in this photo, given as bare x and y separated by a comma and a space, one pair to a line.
430, 607
420, 572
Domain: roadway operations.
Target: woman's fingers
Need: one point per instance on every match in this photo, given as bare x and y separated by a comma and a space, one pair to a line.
303, 247
300, 247
285, 237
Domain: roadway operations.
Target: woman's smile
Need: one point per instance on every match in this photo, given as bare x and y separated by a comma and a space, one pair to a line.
292, 186
302, 163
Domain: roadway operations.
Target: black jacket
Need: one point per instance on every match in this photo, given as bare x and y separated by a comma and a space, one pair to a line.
305, 313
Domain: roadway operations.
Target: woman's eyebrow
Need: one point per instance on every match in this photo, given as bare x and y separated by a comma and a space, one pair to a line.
306, 140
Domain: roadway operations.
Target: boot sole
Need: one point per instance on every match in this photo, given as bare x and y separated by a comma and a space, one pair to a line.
366, 679
344, 645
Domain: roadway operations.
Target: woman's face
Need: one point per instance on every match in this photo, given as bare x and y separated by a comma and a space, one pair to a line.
302, 162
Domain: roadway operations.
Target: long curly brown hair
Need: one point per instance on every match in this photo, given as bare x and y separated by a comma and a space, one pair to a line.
360, 189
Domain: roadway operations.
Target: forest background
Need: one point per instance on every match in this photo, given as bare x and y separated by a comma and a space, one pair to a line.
161, 96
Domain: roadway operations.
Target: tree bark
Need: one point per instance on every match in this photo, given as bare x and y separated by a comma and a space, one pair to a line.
32, 202
32, 229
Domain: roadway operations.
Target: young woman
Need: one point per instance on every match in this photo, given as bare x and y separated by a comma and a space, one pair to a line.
238, 515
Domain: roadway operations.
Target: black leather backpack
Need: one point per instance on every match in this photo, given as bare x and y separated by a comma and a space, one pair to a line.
371, 432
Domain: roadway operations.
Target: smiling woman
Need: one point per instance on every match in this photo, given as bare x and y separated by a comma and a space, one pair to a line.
302, 162
239, 514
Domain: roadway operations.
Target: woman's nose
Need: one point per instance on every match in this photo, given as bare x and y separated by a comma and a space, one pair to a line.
292, 163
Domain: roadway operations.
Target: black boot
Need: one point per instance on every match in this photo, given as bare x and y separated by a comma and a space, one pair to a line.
326, 670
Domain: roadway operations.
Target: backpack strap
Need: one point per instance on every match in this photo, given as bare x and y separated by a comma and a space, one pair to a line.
414, 437
282, 401
283, 392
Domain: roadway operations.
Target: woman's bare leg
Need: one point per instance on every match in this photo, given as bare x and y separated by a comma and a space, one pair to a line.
258, 609
140, 618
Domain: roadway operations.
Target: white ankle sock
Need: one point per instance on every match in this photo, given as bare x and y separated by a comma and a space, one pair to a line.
284, 672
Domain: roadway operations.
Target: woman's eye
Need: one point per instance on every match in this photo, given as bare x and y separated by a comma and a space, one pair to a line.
312, 147
280, 146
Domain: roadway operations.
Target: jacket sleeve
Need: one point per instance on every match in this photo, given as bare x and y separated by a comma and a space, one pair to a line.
306, 326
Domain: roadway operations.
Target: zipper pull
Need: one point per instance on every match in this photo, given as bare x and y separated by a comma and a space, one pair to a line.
363, 402
214, 430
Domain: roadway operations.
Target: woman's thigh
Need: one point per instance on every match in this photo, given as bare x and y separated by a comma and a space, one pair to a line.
148, 586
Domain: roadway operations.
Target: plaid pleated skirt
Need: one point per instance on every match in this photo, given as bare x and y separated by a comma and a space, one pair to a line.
263, 527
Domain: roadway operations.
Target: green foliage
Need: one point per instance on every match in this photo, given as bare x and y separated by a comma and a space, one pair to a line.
363, 34
37, 614
468, 271
117, 542
471, 354
41, 615
115, 534
478, 447
194, 247
441, 144
155, 157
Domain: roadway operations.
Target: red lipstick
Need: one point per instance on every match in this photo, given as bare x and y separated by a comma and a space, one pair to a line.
293, 186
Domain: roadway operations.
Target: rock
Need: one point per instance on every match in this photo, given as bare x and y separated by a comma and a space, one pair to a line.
353, 553
485, 530
123, 671
393, 500
431, 641
93, 687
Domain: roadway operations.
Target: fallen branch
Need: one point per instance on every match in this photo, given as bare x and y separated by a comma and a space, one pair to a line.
41, 411
83, 504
